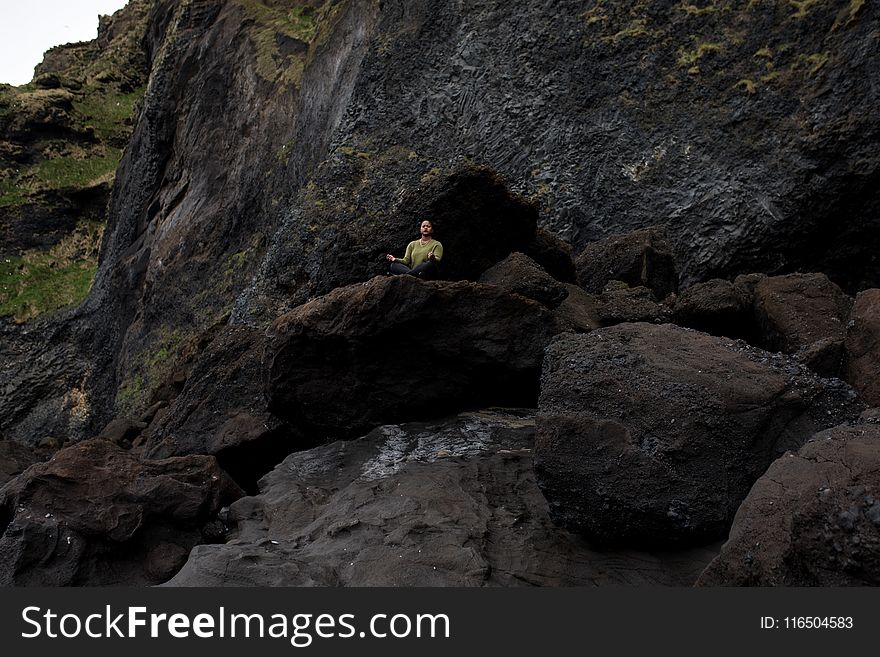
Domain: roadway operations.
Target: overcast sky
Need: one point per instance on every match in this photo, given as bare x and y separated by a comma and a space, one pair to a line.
28, 28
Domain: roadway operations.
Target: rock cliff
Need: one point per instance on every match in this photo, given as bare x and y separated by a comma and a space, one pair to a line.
276, 150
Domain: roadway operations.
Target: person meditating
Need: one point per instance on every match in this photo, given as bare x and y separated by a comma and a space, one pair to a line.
422, 257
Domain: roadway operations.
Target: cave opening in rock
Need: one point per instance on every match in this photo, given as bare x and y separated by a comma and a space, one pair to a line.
248, 462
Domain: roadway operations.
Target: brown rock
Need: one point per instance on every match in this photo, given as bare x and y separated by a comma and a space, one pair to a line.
652, 435
519, 274
579, 311
641, 258
620, 303
553, 254
863, 346
812, 520
397, 348
122, 431
15, 458
94, 513
805, 315
717, 306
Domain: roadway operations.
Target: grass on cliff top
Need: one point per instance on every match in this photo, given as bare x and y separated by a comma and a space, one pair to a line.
60, 173
40, 282
108, 113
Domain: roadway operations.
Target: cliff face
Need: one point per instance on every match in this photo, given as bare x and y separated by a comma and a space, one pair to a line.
282, 148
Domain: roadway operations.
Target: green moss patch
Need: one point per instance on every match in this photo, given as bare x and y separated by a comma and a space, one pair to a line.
40, 282
271, 22
108, 113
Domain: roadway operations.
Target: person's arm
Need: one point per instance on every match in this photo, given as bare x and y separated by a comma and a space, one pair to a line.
407, 258
438, 252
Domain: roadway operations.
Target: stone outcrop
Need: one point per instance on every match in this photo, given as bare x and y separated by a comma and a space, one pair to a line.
812, 520
446, 503
642, 258
652, 435
396, 348
804, 315
863, 346
96, 515
621, 303
718, 307
579, 312
521, 275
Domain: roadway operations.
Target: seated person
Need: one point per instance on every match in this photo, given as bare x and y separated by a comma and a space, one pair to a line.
422, 257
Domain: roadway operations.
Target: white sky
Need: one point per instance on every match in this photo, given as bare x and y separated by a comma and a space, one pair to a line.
28, 28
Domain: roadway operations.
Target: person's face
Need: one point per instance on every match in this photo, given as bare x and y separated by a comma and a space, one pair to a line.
426, 229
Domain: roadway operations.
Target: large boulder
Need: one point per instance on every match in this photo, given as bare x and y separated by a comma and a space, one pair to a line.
652, 435
445, 503
863, 346
222, 394
397, 348
805, 315
812, 520
519, 274
716, 306
641, 258
94, 514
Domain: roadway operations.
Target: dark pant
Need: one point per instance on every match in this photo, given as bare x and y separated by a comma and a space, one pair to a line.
426, 270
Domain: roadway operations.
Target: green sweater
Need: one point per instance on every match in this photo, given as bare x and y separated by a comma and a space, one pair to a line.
417, 253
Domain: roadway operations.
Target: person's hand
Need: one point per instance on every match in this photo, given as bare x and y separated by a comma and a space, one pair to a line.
431, 255
390, 258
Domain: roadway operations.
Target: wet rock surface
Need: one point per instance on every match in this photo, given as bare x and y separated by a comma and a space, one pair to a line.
96, 515
447, 503
812, 520
652, 435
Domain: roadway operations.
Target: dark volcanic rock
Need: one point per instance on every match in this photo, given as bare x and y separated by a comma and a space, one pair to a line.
620, 303
520, 274
805, 315
478, 220
812, 520
652, 435
122, 431
641, 258
14, 459
396, 348
606, 122
95, 515
553, 254
222, 411
863, 346
579, 311
448, 503
718, 307
328, 243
